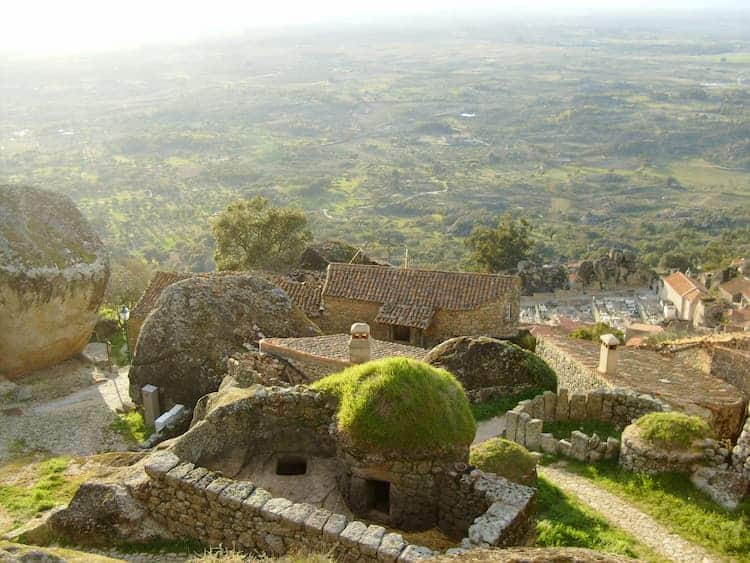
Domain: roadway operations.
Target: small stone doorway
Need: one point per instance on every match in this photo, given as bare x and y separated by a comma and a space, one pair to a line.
379, 498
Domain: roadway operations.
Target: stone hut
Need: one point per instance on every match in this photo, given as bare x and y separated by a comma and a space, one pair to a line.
419, 307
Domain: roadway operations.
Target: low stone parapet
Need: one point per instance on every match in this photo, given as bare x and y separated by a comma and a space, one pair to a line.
524, 424
194, 502
638, 456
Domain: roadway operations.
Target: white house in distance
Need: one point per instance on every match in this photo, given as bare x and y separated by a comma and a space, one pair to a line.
681, 297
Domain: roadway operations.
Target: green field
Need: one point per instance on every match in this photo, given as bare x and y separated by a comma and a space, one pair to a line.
602, 133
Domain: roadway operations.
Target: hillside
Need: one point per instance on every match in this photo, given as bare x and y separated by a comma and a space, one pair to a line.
634, 133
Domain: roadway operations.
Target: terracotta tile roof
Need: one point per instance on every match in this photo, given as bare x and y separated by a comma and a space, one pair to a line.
305, 295
453, 291
685, 286
417, 316
737, 285
336, 346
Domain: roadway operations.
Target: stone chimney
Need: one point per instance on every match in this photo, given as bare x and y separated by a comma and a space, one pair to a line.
359, 343
608, 354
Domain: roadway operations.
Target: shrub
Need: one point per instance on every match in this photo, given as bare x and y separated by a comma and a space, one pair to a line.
400, 404
544, 376
595, 332
525, 340
672, 429
504, 458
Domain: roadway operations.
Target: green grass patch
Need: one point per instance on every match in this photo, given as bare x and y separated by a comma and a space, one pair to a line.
400, 404
562, 429
504, 458
500, 405
132, 427
562, 521
179, 545
50, 488
674, 502
672, 429
596, 332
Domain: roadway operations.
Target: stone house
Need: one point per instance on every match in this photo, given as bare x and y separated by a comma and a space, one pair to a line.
419, 307
736, 291
685, 294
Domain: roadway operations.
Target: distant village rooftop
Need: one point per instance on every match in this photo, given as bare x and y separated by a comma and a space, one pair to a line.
685, 286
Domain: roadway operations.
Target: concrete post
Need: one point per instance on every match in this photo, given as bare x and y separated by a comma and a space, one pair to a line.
151, 410
359, 343
608, 354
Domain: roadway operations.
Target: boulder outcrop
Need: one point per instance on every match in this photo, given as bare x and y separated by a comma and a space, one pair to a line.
489, 365
198, 323
53, 273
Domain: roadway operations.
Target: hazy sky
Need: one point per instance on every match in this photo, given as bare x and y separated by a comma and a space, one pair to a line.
58, 26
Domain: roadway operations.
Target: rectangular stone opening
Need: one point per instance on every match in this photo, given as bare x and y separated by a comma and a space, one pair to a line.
379, 497
400, 333
291, 465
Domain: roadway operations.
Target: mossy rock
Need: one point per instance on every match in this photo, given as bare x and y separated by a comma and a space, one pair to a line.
672, 430
504, 458
401, 405
480, 362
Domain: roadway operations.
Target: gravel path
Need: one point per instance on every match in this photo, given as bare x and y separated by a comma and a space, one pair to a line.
74, 424
622, 514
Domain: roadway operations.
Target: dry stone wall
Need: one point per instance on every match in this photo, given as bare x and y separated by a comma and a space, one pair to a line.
524, 424
194, 502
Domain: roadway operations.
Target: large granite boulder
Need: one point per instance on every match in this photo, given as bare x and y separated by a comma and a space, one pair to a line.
198, 323
53, 273
487, 364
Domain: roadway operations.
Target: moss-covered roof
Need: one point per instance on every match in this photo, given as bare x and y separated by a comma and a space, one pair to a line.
672, 430
400, 405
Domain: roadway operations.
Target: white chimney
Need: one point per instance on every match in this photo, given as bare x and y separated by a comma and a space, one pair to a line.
608, 354
359, 343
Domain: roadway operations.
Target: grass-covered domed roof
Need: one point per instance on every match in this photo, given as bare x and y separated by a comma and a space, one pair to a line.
400, 404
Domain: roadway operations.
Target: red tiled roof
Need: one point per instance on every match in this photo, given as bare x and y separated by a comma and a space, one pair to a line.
685, 286
305, 295
453, 291
416, 316
737, 285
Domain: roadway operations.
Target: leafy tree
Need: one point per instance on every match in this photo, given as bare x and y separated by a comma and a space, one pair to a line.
128, 279
503, 247
251, 233
595, 332
675, 260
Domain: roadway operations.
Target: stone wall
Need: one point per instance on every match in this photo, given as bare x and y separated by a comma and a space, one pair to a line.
314, 366
194, 502
524, 424
741, 451
733, 366
571, 373
488, 320
415, 485
340, 313
639, 456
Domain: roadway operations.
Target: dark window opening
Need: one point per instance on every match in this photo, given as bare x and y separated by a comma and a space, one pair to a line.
291, 465
379, 496
401, 333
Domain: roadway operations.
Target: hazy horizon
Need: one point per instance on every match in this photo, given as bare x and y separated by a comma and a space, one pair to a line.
50, 28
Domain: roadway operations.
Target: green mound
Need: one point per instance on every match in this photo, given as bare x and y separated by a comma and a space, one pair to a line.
399, 404
672, 429
504, 458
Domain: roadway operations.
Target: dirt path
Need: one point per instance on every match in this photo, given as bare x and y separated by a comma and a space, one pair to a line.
622, 514
75, 424
489, 429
